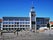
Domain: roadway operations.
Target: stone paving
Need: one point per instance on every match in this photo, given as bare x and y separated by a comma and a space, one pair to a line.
26, 36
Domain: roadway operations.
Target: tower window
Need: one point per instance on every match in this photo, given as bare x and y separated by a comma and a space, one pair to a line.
33, 22
33, 15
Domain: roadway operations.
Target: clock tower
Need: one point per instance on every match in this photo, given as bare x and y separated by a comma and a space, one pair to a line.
32, 19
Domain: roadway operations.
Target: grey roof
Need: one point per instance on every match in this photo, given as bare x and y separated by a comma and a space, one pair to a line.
16, 18
42, 18
23, 18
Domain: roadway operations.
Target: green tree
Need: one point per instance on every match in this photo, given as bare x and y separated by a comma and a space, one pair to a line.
51, 25
48, 25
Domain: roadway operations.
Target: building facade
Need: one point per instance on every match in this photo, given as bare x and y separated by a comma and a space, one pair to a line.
42, 22
24, 23
14, 23
0, 23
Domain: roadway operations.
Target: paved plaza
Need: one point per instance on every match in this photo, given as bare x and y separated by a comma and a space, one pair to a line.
26, 35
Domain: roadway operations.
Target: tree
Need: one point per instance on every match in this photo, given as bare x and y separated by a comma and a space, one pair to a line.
51, 25
48, 25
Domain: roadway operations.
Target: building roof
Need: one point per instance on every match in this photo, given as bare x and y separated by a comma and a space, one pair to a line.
0, 20
51, 22
42, 17
23, 18
16, 18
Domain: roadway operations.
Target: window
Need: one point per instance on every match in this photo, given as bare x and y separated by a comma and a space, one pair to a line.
9, 25
23, 25
11, 28
26, 25
10, 22
12, 25
17, 25
20, 25
4, 28
5, 22
21, 22
15, 28
26, 22
17, 22
33, 22
4, 25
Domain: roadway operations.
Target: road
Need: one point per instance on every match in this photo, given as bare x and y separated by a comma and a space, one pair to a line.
26, 36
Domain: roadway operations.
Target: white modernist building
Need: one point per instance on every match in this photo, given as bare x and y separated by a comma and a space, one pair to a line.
21, 23
24, 23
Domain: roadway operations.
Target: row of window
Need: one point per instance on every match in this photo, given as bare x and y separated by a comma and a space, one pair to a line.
10, 22
16, 22
42, 22
13, 28
16, 25
10, 25
24, 22
24, 25
9, 28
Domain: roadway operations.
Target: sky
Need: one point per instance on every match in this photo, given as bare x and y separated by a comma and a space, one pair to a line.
21, 8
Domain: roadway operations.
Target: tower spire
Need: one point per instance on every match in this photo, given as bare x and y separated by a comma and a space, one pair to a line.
32, 7
32, 4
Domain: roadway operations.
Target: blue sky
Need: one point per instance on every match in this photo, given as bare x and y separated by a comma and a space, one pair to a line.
19, 8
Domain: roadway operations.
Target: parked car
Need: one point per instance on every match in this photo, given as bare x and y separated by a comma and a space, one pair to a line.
43, 28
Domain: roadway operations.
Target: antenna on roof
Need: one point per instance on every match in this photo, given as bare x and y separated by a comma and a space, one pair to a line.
32, 4
32, 7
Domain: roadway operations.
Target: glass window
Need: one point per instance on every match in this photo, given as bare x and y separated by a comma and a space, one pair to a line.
17, 22
9, 25
28, 22
5, 22
33, 22
4, 25
21, 19
21, 22
11, 22
17, 25
26, 25
20, 25
23, 25
12, 25
4, 28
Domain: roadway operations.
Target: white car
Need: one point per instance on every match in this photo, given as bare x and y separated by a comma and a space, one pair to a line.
43, 28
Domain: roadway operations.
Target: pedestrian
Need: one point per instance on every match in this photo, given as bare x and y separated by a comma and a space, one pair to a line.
1, 33
14, 32
17, 33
